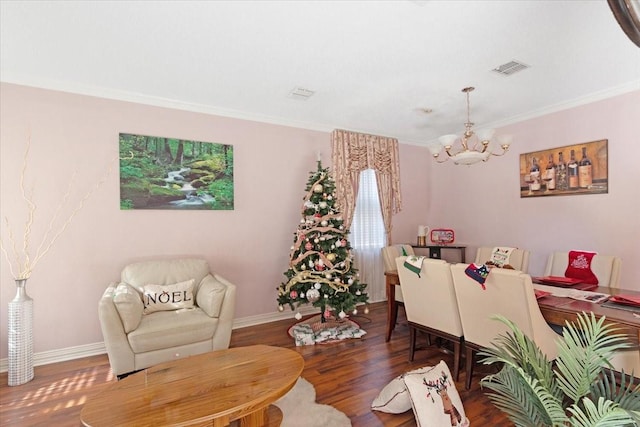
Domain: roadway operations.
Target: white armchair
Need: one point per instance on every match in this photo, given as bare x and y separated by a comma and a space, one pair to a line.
198, 322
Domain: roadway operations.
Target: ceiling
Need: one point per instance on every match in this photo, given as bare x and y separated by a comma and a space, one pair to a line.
373, 65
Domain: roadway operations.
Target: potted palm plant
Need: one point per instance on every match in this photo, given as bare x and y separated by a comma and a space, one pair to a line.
575, 390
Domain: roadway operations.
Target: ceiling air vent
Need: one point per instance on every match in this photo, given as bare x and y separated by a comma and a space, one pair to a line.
301, 93
510, 68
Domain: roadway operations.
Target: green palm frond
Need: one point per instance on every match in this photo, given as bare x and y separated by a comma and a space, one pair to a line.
583, 352
626, 395
523, 399
605, 414
516, 349
532, 393
525, 388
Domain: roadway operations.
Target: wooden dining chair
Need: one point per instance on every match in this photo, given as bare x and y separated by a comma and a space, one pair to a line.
431, 305
508, 293
518, 259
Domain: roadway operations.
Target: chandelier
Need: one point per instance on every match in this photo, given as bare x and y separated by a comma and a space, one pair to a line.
472, 147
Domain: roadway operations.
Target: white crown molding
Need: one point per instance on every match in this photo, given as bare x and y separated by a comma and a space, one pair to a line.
117, 95
155, 101
583, 100
78, 352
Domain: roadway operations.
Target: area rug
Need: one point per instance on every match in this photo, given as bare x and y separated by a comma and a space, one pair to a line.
312, 331
299, 408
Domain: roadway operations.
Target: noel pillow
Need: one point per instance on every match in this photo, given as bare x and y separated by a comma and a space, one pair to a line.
579, 267
167, 297
394, 397
434, 398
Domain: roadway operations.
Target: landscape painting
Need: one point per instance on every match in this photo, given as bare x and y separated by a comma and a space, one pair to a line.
168, 173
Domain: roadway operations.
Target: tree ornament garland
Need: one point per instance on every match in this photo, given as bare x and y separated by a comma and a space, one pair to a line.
321, 262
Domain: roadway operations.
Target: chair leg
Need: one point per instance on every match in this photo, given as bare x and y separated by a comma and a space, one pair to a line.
412, 342
456, 360
394, 314
392, 319
469, 367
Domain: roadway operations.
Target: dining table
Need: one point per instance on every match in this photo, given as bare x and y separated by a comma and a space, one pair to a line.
555, 309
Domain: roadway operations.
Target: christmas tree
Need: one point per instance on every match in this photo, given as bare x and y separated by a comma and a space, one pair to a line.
321, 270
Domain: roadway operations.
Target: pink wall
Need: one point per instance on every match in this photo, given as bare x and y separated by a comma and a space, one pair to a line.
482, 202
249, 245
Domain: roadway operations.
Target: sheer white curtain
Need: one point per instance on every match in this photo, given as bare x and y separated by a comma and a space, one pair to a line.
368, 236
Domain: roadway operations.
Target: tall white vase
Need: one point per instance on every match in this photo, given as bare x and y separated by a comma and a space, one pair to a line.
20, 336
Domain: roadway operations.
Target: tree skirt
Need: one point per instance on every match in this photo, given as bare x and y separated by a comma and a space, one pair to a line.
312, 331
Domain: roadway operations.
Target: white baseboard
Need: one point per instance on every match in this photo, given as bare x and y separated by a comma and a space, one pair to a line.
61, 355
272, 317
78, 352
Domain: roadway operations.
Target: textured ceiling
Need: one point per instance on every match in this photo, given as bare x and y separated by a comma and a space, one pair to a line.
372, 64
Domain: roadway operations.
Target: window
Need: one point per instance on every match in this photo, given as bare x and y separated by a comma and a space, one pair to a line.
367, 227
368, 236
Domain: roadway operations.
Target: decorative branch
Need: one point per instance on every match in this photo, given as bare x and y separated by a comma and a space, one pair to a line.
23, 264
4, 251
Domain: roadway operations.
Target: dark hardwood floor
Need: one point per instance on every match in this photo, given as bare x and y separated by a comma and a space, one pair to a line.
347, 375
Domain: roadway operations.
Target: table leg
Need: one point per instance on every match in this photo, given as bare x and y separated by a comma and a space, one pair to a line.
254, 419
221, 421
275, 416
270, 416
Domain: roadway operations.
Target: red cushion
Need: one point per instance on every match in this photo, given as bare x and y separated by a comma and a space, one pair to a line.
580, 267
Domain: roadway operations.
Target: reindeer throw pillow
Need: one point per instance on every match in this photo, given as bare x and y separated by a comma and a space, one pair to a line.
394, 397
434, 398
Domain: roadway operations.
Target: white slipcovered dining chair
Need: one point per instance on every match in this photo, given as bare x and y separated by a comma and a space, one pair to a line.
431, 305
518, 258
605, 267
389, 255
508, 293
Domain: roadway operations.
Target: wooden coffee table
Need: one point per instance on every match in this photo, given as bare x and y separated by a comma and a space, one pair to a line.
209, 389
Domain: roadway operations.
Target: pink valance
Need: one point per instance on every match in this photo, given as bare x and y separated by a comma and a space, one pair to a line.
354, 152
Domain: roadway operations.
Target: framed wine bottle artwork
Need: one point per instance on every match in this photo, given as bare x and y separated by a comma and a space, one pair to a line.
572, 169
